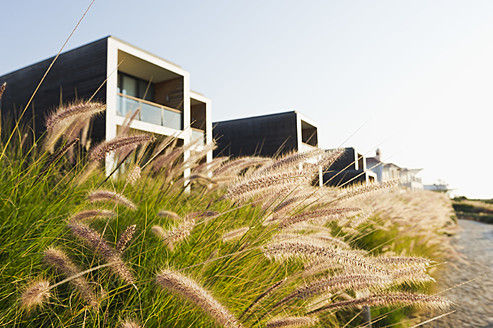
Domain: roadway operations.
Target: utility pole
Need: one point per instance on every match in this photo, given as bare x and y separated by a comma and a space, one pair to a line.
367, 316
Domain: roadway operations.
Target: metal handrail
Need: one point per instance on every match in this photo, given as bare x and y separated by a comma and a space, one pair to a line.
157, 109
150, 103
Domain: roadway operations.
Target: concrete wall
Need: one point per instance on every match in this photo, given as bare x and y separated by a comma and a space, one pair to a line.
376, 167
76, 74
262, 135
169, 93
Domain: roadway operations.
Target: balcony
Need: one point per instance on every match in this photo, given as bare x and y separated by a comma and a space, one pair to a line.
149, 112
198, 137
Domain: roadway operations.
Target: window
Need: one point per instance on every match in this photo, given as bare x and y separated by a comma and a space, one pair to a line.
135, 87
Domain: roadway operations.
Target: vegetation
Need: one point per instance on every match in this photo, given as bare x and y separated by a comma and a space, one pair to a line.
477, 210
239, 242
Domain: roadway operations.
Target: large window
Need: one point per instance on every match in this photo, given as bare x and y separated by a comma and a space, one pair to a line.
309, 134
135, 87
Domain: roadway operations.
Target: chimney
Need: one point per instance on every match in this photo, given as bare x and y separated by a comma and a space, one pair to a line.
378, 155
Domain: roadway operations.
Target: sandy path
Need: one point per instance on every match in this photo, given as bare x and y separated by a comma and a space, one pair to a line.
474, 300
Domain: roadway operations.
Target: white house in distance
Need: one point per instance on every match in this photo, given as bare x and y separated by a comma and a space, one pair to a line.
439, 186
124, 77
388, 171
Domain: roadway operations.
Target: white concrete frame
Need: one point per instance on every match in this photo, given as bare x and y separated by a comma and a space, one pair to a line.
113, 120
302, 146
208, 118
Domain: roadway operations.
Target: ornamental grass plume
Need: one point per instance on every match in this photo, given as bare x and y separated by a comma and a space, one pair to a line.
338, 283
326, 237
415, 275
130, 323
315, 239
68, 114
365, 189
183, 230
85, 139
281, 177
106, 195
297, 199
168, 161
308, 228
290, 160
159, 231
2, 89
252, 186
129, 118
35, 294
322, 265
292, 322
404, 269
62, 262
359, 219
134, 175
68, 120
421, 213
123, 144
201, 178
317, 215
193, 292
309, 248
75, 129
125, 238
329, 158
169, 215
170, 155
235, 234
231, 165
100, 246
390, 299
179, 233
90, 215
403, 261
176, 171
210, 167
235, 166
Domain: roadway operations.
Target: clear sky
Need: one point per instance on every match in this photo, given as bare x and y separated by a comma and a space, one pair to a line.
414, 78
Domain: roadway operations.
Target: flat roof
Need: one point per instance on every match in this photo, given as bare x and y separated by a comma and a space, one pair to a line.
309, 121
147, 52
89, 43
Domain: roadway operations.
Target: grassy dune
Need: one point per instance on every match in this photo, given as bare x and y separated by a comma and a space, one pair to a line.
245, 242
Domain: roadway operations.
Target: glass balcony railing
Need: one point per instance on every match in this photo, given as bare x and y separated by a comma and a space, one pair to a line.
198, 136
149, 112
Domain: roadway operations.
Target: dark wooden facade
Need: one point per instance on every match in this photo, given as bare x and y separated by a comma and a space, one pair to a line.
76, 75
262, 135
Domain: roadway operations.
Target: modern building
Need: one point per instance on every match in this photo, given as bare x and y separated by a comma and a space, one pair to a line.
388, 171
440, 186
122, 76
349, 169
266, 135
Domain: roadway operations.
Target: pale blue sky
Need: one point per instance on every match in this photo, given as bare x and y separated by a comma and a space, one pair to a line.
416, 76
